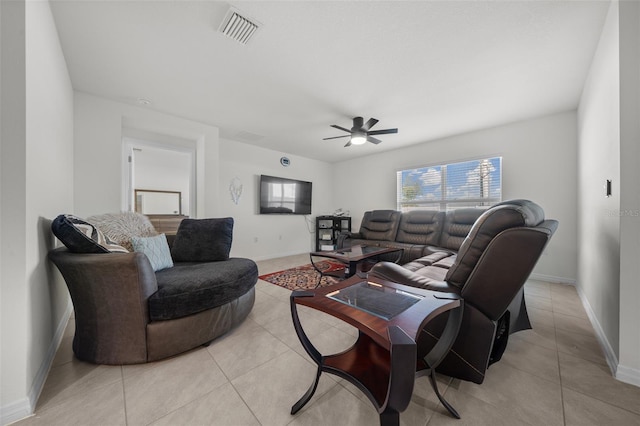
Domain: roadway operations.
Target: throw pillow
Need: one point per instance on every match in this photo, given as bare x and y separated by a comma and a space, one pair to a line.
121, 227
157, 250
203, 240
82, 237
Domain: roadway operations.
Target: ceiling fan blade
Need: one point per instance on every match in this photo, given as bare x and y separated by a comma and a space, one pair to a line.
373, 140
335, 126
336, 137
348, 143
383, 132
369, 124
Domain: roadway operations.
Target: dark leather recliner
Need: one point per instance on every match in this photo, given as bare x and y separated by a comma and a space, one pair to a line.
489, 272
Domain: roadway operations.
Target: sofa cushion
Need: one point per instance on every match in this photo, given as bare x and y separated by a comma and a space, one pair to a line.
409, 251
457, 224
427, 277
156, 249
190, 287
420, 227
203, 240
447, 262
432, 258
432, 272
122, 227
82, 237
380, 225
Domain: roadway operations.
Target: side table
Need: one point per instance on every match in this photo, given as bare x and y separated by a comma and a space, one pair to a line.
382, 362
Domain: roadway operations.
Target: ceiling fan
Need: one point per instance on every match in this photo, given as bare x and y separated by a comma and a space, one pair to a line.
361, 132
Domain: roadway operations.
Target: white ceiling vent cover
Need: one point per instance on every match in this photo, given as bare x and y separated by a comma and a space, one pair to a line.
238, 27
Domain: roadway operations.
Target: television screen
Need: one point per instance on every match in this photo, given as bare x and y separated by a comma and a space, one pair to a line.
284, 196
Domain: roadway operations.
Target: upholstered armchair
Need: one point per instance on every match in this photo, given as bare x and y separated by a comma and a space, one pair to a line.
130, 308
489, 272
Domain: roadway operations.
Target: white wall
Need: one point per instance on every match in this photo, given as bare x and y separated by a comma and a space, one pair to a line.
277, 235
609, 228
98, 164
37, 174
538, 162
14, 349
599, 159
629, 354
99, 174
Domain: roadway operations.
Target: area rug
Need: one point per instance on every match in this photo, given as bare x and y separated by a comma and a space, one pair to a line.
304, 277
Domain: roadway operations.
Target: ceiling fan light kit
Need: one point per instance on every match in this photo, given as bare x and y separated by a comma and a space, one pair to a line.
358, 139
361, 132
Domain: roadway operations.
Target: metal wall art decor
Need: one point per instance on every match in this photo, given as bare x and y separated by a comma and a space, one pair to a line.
235, 189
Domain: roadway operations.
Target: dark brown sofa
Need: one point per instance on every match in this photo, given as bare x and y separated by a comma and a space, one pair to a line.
489, 271
418, 232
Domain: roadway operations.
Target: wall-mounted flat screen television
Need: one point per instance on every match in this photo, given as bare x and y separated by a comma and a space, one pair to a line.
284, 196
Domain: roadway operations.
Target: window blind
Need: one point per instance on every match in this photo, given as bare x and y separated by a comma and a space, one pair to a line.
475, 183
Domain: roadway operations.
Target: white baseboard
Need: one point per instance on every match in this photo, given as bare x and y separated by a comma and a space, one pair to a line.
15, 411
609, 354
25, 407
628, 375
620, 372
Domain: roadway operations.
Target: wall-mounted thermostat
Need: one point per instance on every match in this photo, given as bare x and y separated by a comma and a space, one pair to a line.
285, 161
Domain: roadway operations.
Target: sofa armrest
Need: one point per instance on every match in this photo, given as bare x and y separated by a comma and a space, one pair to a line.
344, 237
352, 234
395, 273
109, 293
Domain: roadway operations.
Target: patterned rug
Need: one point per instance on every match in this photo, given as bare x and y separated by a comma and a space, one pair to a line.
304, 277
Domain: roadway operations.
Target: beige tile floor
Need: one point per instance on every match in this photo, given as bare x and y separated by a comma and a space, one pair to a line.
554, 374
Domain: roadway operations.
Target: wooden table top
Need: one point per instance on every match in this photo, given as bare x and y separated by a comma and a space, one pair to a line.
411, 320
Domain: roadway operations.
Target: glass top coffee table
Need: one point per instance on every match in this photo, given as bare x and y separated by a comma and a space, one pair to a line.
352, 257
383, 362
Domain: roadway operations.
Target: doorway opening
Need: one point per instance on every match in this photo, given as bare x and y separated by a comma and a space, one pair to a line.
160, 175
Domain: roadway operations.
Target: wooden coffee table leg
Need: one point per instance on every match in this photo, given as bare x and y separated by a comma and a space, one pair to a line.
317, 269
308, 347
401, 377
353, 266
389, 418
307, 396
444, 402
440, 351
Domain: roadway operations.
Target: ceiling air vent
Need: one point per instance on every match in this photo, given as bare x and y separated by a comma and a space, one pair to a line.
238, 27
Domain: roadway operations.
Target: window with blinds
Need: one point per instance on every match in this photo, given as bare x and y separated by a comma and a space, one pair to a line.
476, 183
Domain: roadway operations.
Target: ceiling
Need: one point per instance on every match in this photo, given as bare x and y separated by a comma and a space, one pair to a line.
430, 68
